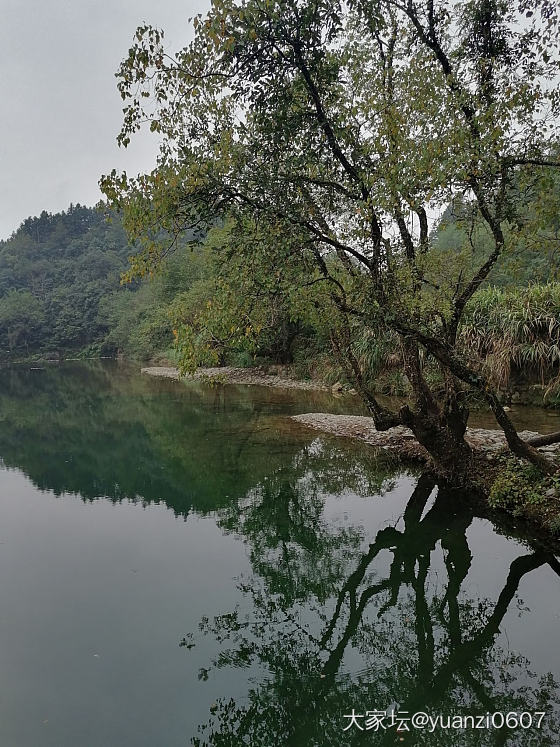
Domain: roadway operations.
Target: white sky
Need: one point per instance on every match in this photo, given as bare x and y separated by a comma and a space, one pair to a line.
61, 111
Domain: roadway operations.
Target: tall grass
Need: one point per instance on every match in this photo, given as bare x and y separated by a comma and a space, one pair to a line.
515, 330
508, 333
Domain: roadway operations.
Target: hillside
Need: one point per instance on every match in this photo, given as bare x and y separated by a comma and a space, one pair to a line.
55, 271
61, 296
61, 292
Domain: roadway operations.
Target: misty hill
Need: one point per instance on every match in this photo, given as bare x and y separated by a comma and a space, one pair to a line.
60, 291
54, 272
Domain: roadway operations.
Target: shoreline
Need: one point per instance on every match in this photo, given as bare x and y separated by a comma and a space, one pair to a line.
233, 375
540, 511
401, 440
398, 440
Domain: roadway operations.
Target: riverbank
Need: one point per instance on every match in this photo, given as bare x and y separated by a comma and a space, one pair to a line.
401, 441
506, 485
232, 375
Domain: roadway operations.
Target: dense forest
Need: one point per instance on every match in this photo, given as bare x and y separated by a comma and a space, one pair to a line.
55, 270
61, 295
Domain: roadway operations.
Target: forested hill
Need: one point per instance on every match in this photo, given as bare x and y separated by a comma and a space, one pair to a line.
60, 295
54, 272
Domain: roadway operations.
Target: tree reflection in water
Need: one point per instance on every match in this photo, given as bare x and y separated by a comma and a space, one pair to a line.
421, 642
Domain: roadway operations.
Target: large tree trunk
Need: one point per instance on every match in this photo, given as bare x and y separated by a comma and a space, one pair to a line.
439, 423
439, 426
451, 362
451, 456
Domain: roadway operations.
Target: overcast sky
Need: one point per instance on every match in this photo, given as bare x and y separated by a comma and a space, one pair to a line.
61, 111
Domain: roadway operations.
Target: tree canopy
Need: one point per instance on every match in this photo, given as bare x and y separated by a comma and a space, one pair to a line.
61, 292
53, 272
331, 135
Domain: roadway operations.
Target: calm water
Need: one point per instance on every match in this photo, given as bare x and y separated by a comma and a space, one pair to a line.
182, 563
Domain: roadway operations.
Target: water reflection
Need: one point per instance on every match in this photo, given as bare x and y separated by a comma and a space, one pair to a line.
337, 613
337, 626
102, 430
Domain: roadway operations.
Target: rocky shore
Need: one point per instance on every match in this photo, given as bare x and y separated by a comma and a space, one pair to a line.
232, 375
516, 495
401, 440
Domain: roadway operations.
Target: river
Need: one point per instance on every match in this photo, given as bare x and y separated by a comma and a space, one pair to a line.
183, 564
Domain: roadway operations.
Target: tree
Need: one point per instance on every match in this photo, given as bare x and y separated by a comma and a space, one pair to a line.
329, 133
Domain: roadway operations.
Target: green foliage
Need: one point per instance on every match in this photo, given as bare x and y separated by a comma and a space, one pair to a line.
239, 312
68, 297
319, 138
53, 272
531, 256
554, 525
515, 330
311, 173
140, 317
515, 486
61, 291
522, 490
21, 318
